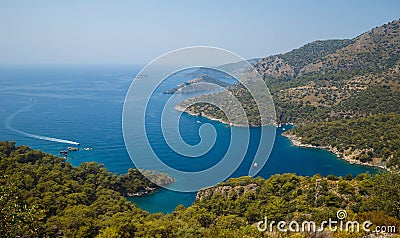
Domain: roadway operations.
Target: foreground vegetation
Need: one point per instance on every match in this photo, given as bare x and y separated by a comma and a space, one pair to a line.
43, 196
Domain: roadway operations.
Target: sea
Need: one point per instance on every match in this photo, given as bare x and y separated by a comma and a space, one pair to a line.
51, 107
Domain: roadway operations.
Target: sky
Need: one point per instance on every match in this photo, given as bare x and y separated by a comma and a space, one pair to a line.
136, 32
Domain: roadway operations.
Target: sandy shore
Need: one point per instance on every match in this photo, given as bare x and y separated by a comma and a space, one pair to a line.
348, 158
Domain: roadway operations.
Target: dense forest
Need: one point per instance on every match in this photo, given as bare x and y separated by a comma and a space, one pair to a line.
374, 139
44, 196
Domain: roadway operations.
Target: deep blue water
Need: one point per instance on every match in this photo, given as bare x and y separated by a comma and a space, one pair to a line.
84, 104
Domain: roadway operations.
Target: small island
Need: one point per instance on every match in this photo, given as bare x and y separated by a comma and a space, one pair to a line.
140, 183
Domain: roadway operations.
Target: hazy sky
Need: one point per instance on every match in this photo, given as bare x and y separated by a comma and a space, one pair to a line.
135, 32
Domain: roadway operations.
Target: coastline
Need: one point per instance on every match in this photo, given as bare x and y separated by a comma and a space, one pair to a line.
147, 191
182, 109
296, 142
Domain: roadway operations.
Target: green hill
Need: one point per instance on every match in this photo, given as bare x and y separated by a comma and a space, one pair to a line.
288, 65
375, 50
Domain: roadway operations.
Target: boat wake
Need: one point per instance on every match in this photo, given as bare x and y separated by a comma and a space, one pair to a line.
40, 137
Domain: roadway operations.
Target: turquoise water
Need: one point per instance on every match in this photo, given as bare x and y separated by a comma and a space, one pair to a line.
44, 104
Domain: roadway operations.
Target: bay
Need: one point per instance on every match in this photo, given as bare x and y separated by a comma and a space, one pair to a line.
84, 104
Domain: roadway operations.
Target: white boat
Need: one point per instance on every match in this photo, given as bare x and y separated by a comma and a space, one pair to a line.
198, 122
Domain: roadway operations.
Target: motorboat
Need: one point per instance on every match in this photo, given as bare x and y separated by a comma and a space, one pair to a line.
73, 149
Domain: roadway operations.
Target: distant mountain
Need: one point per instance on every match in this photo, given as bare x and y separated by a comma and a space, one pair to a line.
234, 69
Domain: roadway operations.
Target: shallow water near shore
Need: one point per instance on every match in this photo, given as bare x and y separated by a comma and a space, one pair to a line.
84, 104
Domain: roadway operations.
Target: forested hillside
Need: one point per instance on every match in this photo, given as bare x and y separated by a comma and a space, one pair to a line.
43, 196
333, 80
375, 50
288, 65
372, 140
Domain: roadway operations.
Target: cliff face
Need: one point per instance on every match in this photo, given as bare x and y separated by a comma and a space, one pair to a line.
226, 191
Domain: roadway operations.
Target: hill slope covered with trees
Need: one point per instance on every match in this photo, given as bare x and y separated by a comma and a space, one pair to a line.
43, 196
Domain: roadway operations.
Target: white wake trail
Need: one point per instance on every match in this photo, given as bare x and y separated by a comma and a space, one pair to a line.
40, 137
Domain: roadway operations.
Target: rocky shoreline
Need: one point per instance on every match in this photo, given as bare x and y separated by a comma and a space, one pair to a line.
182, 109
294, 140
348, 158
147, 191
